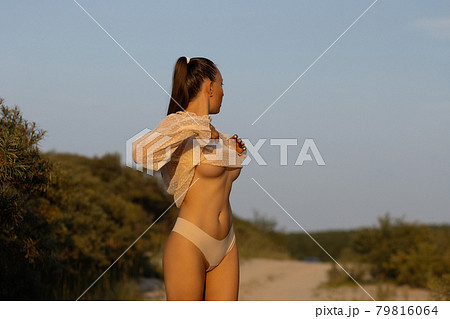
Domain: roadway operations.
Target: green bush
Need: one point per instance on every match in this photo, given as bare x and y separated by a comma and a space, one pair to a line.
405, 253
27, 245
66, 218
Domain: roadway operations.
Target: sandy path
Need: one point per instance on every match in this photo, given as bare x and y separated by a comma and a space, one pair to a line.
269, 279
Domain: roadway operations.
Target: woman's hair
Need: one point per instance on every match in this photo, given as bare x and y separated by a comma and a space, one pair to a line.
187, 80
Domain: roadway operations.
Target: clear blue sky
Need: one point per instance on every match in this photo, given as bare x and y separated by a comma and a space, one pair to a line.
377, 104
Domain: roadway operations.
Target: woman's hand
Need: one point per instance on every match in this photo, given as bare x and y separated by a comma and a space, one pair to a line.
240, 145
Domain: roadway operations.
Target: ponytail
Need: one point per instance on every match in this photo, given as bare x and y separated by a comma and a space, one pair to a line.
188, 79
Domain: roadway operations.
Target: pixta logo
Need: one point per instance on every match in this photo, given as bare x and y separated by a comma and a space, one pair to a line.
159, 149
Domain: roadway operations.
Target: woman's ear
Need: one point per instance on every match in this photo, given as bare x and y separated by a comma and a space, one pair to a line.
210, 88
207, 87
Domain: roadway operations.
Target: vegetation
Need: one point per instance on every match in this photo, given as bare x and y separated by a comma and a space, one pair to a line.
301, 246
25, 177
398, 252
406, 253
258, 238
66, 218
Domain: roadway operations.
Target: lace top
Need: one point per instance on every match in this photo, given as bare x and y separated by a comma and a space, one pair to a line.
179, 143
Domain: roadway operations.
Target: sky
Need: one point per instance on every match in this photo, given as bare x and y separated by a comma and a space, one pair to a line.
375, 100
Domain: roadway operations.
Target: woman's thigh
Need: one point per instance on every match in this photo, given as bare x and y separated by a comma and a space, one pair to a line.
222, 283
184, 269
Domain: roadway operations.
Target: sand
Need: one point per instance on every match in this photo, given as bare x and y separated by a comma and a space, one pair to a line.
269, 279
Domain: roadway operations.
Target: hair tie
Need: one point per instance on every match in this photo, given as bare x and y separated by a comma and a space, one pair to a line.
188, 60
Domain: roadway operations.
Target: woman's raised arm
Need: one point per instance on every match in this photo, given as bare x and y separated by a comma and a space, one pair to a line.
153, 150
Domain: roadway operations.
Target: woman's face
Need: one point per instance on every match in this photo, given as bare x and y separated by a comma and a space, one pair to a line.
217, 92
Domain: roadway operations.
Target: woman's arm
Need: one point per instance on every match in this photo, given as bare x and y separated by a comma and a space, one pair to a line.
153, 150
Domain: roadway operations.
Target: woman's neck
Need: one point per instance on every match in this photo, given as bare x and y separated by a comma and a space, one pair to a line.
200, 106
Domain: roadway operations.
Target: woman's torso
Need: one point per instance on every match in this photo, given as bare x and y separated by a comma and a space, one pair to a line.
207, 202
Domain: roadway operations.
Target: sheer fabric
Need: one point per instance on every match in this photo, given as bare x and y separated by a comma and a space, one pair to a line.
179, 143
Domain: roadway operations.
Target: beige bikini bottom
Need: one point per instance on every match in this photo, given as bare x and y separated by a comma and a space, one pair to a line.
213, 249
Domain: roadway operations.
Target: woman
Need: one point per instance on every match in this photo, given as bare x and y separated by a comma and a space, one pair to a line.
200, 260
